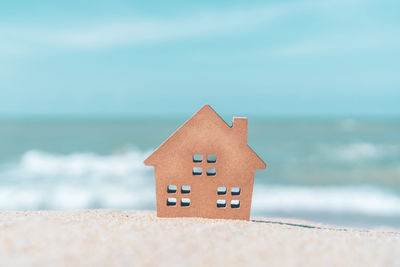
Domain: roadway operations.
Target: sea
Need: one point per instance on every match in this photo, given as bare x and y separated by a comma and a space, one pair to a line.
343, 172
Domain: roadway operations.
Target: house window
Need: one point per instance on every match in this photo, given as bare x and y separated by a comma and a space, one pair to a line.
235, 191
221, 190
211, 171
211, 158
171, 201
197, 171
185, 202
197, 158
235, 204
171, 189
221, 203
185, 189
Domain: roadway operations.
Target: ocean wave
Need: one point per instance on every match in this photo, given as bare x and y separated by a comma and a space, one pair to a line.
359, 151
365, 200
121, 181
43, 180
37, 163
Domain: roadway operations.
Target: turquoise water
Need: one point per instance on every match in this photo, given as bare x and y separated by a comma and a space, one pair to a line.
343, 172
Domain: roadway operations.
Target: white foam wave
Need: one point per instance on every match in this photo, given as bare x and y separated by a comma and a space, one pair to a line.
77, 181
36, 163
360, 151
332, 199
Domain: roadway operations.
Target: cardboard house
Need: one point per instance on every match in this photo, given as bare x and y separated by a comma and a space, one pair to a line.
205, 169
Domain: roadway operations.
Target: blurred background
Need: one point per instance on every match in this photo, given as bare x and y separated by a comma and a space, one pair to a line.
89, 88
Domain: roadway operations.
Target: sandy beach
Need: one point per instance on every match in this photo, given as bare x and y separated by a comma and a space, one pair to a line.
139, 238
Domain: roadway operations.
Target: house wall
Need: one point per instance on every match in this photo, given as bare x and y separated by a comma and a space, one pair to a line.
231, 171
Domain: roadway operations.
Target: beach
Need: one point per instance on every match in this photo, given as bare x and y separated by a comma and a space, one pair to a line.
139, 238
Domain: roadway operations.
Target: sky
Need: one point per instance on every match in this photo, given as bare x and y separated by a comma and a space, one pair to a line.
168, 58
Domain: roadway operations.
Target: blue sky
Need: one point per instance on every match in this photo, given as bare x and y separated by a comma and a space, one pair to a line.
266, 58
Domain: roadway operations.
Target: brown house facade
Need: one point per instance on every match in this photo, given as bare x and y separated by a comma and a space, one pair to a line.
205, 169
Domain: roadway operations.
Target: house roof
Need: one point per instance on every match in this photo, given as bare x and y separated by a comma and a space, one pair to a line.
205, 113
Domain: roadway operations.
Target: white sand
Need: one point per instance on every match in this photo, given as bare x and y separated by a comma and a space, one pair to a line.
133, 238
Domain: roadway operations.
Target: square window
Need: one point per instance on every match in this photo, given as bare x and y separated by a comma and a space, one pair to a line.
197, 171
171, 201
185, 202
221, 190
171, 189
211, 158
197, 158
221, 203
235, 191
211, 171
235, 204
185, 189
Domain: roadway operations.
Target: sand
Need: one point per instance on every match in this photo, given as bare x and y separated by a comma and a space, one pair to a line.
139, 238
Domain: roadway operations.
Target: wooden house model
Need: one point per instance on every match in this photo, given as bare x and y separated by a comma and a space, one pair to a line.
205, 169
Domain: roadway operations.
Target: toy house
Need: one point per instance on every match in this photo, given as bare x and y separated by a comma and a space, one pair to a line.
205, 169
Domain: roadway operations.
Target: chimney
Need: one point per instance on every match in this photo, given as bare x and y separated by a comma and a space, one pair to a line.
240, 128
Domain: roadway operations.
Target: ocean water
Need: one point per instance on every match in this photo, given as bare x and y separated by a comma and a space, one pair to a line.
342, 172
